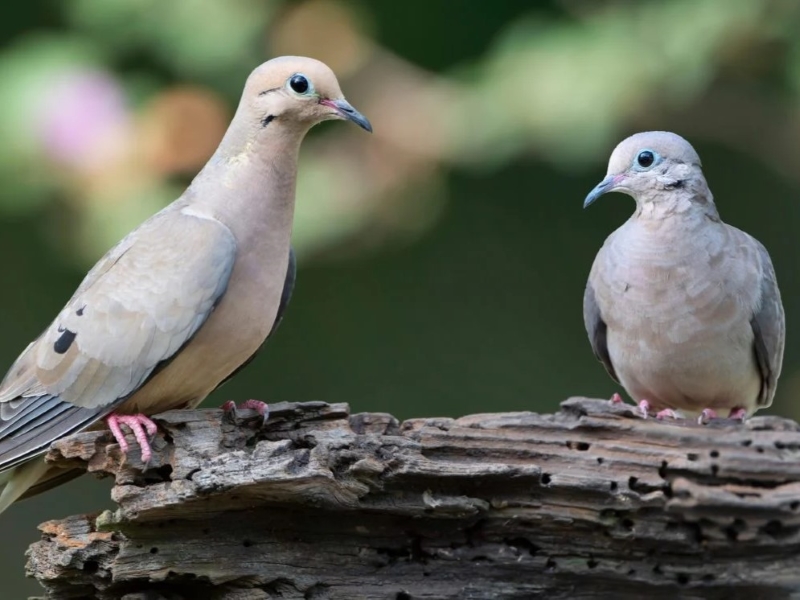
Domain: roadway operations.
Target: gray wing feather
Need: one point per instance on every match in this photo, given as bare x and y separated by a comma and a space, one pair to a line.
286, 294
133, 312
769, 329
596, 329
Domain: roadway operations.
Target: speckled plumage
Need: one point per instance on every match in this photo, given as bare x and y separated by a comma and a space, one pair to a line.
682, 309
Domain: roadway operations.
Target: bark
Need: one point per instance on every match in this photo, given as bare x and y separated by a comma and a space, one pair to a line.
590, 502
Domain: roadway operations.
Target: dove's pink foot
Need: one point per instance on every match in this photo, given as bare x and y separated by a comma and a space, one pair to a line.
257, 405
706, 415
644, 408
737, 413
667, 413
644, 405
140, 426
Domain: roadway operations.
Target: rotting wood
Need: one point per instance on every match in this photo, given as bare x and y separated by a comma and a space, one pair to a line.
590, 502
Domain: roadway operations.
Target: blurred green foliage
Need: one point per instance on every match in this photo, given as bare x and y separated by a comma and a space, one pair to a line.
443, 259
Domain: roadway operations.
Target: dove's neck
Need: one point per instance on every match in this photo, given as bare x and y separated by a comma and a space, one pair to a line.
677, 200
656, 242
672, 221
249, 185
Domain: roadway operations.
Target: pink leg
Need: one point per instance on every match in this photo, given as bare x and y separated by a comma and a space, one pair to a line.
644, 408
667, 413
644, 405
738, 413
140, 426
257, 405
706, 415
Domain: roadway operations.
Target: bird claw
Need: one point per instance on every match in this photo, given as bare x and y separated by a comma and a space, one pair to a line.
667, 413
143, 429
738, 413
644, 408
706, 415
260, 407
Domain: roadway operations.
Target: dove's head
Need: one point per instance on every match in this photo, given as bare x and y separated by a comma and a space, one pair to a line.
647, 164
296, 93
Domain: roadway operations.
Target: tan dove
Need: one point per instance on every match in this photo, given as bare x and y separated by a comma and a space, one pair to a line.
185, 300
683, 310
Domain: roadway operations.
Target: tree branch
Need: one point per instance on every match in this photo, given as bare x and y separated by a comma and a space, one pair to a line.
591, 502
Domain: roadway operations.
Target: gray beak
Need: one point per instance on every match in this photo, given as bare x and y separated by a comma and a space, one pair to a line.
346, 110
607, 185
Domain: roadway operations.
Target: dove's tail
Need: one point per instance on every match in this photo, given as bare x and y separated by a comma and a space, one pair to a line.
19, 479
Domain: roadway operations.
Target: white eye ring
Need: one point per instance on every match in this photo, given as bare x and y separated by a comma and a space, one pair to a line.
646, 159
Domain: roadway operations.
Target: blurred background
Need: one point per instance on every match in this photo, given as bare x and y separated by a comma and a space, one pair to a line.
442, 259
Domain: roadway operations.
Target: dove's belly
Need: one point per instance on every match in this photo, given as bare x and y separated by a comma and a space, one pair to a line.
715, 371
231, 335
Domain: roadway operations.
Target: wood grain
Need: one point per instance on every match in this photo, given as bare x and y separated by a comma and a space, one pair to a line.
590, 502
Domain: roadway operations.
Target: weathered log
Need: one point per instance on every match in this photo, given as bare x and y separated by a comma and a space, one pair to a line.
590, 502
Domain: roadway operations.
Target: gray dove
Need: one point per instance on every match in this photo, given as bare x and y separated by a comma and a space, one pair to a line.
681, 309
182, 302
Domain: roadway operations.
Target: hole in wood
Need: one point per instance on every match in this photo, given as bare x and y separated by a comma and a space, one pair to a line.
580, 446
774, 529
732, 531
90, 567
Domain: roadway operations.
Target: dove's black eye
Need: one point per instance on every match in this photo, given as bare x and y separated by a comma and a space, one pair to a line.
645, 159
299, 84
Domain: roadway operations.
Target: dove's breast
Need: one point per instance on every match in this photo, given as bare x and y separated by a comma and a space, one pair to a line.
231, 335
677, 303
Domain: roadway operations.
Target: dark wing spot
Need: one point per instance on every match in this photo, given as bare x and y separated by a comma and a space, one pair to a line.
267, 120
64, 341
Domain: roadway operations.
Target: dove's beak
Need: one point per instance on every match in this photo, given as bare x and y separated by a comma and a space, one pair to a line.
609, 184
346, 111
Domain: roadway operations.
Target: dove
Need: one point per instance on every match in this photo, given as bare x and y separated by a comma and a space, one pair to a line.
182, 302
682, 310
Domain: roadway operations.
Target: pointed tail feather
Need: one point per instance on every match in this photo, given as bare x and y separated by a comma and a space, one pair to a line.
20, 480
